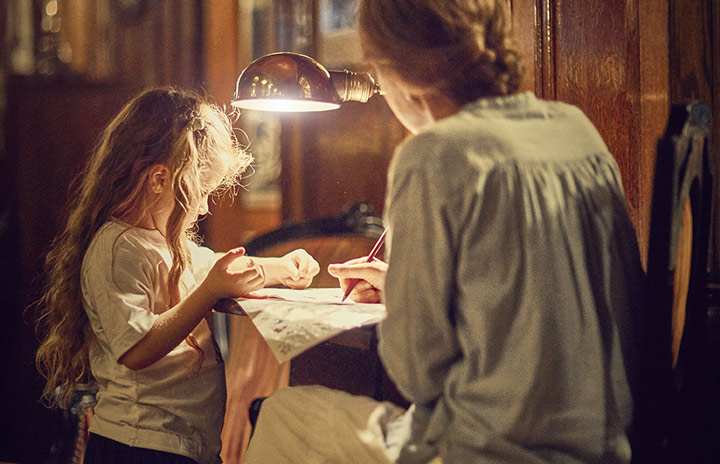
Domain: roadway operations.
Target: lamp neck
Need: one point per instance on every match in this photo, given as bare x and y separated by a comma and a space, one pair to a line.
352, 86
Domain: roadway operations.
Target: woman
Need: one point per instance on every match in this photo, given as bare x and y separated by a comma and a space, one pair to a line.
513, 276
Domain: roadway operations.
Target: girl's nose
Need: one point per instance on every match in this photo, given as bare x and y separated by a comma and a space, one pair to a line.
203, 207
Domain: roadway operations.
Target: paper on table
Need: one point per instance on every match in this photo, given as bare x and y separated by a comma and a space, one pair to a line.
292, 321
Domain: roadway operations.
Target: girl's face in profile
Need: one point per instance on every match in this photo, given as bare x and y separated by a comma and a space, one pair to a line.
198, 210
210, 179
209, 182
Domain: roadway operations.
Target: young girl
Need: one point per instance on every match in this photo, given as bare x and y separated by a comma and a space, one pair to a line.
513, 277
130, 293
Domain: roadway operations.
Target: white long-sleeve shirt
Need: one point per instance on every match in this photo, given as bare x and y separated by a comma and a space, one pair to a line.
514, 279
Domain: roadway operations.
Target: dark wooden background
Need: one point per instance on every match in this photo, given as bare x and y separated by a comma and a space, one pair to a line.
623, 62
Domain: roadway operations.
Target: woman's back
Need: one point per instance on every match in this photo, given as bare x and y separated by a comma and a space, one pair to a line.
527, 283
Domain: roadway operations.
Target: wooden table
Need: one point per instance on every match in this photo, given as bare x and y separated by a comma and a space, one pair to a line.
347, 362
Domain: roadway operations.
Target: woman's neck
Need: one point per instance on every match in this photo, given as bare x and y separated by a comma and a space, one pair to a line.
440, 106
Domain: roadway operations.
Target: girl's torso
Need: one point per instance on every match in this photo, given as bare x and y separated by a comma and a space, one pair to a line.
176, 404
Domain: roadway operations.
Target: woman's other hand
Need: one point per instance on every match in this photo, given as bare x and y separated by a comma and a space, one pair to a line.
372, 278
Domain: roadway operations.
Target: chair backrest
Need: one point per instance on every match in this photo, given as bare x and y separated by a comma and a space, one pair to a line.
668, 414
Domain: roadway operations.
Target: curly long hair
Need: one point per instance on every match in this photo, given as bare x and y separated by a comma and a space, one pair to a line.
463, 48
177, 128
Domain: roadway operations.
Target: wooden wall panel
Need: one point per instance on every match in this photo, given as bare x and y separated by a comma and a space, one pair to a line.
527, 19
611, 61
653, 109
51, 129
344, 157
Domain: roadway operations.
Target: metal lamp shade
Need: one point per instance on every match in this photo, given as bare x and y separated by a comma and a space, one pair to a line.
291, 82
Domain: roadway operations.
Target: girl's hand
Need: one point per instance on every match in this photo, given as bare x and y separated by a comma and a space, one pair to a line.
233, 275
295, 270
371, 275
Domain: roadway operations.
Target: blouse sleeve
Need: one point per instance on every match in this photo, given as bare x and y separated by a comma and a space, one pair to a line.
120, 296
417, 340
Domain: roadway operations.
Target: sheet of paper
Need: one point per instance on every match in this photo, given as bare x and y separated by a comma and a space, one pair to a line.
291, 321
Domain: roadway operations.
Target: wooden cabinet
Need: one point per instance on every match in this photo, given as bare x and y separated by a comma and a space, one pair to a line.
50, 128
609, 58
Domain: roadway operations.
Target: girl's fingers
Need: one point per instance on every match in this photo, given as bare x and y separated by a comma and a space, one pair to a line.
302, 267
242, 264
227, 259
249, 280
313, 269
288, 270
257, 282
303, 264
245, 274
310, 267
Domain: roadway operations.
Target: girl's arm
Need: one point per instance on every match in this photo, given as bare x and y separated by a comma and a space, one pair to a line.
295, 270
172, 326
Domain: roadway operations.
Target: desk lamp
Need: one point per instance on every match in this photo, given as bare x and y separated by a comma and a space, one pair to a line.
291, 82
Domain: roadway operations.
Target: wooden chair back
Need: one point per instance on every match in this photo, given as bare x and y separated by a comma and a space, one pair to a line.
669, 392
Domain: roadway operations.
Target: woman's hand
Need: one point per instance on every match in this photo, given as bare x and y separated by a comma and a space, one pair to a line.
295, 270
372, 278
234, 274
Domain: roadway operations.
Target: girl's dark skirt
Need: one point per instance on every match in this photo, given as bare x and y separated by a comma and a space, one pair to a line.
101, 450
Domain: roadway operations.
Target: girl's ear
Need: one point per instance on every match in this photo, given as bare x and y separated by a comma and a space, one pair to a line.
158, 178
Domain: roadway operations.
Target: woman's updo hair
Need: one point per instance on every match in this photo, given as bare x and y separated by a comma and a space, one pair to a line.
463, 48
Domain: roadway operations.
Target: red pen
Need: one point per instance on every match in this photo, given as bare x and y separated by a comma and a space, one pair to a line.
371, 256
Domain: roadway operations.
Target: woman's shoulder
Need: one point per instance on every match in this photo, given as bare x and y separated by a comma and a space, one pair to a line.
450, 144
509, 139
